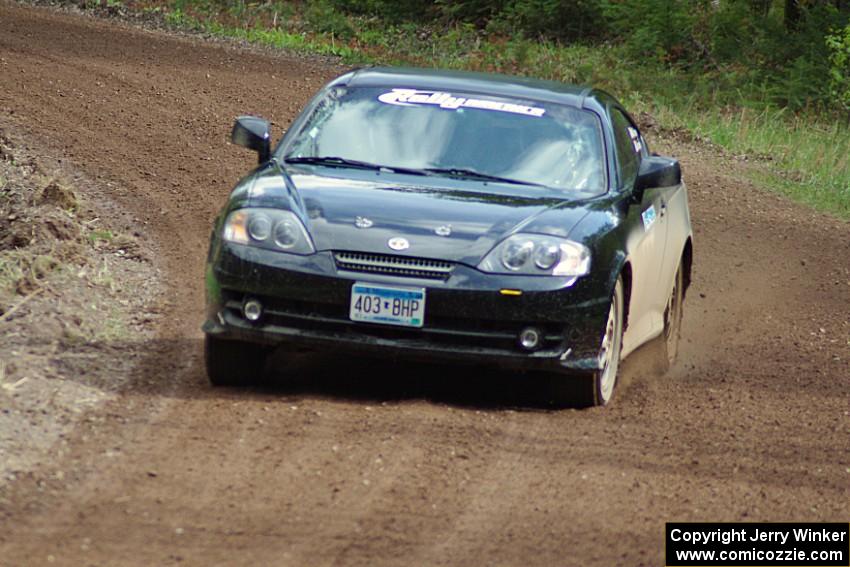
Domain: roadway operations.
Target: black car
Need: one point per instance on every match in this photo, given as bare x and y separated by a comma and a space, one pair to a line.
456, 216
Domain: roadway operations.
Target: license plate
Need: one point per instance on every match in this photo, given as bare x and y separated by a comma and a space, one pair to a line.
402, 306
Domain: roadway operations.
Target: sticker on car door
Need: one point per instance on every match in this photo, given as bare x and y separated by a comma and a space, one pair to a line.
648, 217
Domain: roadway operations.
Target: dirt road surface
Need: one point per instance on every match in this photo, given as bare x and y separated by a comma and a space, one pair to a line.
342, 462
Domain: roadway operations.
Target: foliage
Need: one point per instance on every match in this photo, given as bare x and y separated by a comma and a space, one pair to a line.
663, 29
390, 10
322, 17
727, 52
568, 20
838, 43
728, 71
726, 48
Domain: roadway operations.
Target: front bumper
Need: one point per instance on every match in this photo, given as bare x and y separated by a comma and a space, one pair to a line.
306, 305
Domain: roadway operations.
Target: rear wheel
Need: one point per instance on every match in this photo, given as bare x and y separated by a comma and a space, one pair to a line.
233, 363
673, 322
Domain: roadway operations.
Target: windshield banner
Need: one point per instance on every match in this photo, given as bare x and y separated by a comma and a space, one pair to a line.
412, 97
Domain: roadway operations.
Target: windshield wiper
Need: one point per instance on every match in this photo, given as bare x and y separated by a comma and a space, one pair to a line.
473, 174
335, 161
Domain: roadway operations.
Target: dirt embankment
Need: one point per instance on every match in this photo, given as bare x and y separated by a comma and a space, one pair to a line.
343, 462
71, 313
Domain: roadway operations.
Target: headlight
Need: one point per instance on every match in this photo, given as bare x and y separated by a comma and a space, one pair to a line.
259, 227
516, 253
268, 228
534, 254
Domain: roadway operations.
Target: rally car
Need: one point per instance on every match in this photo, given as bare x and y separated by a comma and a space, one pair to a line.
464, 217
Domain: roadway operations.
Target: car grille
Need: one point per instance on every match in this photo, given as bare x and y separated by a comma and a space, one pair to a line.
393, 265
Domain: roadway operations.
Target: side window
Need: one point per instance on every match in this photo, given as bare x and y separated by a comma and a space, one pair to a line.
629, 147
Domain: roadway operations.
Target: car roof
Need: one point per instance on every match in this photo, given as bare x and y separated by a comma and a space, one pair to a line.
472, 82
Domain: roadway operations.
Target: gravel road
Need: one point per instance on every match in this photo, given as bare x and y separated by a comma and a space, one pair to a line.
355, 463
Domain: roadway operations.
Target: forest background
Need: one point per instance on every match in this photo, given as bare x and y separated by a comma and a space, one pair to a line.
768, 80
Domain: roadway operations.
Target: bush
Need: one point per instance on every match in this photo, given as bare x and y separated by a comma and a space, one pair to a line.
662, 29
322, 17
564, 20
838, 44
393, 11
727, 52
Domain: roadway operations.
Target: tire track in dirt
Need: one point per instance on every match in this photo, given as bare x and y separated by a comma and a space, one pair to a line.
432, 465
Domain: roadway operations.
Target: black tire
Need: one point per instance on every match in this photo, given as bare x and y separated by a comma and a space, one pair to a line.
670, 337
597, 388
233, 363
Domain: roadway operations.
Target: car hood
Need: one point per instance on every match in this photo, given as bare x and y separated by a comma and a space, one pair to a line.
451, 220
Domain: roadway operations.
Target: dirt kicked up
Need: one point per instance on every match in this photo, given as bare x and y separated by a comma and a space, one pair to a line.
356, 463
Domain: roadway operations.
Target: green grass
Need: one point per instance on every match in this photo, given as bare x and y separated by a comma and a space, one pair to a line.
103, 277
271, 37
810, 161
110, 328
806, 156
11, 272
21, 269
98, 235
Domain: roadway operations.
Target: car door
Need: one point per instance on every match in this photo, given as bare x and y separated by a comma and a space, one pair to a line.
676, 227
647, 235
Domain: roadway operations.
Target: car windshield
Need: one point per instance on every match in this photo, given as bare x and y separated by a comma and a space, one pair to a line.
457, 135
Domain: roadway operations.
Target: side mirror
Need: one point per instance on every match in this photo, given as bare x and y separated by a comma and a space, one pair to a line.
657, 171
253, 133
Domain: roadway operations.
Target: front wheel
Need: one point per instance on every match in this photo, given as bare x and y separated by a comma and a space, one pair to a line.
597, 388
233, 363
602, 382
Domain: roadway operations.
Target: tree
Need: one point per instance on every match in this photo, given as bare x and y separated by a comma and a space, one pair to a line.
838, 43
793, 14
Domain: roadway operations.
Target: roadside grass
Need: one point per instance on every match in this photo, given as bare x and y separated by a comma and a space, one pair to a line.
98, 235
102, 277
805, 156
46, 246
276, 38
112, 328
810, 159
19, 269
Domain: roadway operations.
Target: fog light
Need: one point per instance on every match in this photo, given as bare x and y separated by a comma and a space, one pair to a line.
252, 309
529, 338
